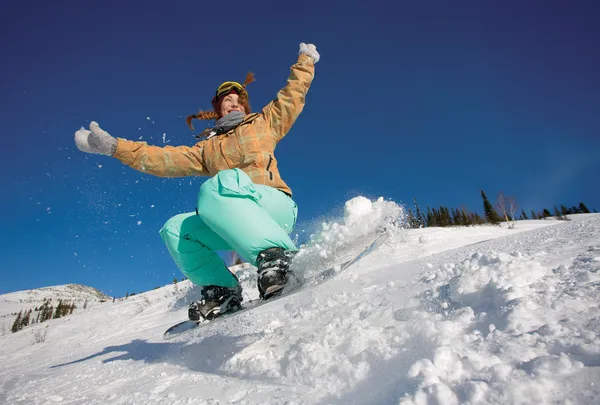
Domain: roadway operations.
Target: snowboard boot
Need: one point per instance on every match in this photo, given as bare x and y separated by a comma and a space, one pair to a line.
215, 301
273, 271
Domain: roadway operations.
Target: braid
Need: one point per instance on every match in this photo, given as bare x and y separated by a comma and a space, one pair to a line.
249, 79
201, 115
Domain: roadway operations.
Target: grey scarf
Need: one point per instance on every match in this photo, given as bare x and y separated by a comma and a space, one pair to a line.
228, 122
225, 124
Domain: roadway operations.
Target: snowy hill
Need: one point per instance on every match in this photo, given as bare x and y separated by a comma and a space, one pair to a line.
12, 303
469, 315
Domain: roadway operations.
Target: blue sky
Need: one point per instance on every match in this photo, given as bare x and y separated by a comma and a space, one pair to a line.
430, 100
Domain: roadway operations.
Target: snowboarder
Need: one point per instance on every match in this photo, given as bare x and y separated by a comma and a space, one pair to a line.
245, 206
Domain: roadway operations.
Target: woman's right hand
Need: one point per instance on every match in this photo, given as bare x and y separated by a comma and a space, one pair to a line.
96, 140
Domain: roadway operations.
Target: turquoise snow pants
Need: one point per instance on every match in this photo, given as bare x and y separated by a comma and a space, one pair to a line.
233, 213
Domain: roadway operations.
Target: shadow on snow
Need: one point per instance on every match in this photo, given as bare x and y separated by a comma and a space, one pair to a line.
207, 355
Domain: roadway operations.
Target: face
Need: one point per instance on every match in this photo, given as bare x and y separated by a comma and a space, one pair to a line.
231, 102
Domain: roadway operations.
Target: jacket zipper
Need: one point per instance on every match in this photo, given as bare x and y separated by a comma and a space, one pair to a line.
269, 166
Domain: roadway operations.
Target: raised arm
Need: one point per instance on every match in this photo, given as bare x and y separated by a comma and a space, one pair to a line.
282, 112
168, 161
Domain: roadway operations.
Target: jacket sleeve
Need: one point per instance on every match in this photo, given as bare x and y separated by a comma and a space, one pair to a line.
282, 112
168, 161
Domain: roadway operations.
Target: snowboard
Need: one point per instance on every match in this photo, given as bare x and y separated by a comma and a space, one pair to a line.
188, 326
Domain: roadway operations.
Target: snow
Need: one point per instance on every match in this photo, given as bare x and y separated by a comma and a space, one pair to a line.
465, 315
30, 299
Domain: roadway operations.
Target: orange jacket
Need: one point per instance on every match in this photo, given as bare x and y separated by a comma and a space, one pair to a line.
250, 146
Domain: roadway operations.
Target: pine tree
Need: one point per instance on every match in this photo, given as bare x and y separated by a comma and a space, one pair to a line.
546, 213
47, 311
446, 218
478, 220
523, 214
435, 217
419, 215
575, 210
564, 210
412, 221
583, 209
443, 221
58, 311
17, 324
26, 319
471, 219
42, 313
490, 214
238, 260
450, 217
465, 218
461, 217
415, 222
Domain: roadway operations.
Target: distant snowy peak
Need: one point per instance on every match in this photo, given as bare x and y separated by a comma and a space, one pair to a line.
29, 299
72, 291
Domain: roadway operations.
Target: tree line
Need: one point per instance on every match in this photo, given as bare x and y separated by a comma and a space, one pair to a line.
505, 209
45, 312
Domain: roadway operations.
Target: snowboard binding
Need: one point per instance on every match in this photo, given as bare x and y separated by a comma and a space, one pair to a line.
274, 272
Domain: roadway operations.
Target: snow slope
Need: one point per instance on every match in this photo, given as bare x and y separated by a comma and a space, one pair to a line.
12, 303
438, 316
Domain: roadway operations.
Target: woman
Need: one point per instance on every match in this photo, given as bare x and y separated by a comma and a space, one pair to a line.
245, 206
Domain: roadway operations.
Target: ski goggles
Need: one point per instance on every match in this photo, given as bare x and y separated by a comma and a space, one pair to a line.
226, 88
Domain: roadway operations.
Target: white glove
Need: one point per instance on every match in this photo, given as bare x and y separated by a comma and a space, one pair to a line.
311, 51
96, 140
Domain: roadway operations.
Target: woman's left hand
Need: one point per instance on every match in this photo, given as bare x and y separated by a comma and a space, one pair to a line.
311, 51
